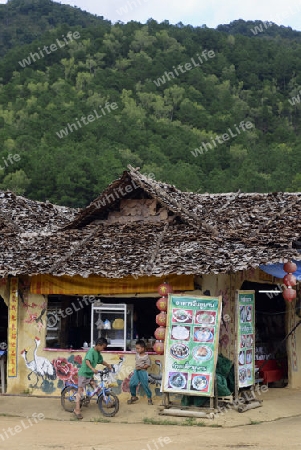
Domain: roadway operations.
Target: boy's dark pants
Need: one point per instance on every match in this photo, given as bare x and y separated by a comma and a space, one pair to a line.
140, 376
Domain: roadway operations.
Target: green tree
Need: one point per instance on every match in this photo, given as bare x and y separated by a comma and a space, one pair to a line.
16, 182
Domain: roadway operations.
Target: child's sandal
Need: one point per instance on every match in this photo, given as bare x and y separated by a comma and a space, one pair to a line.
132, 400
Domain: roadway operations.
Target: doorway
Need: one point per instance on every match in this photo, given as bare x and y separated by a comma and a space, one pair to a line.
3, 343
270, 346
3, 324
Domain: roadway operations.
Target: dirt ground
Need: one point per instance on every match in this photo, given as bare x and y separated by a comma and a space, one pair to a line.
50, 435
276, 404
275, 425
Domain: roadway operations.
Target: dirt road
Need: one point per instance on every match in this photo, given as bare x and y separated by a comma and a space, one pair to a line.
53, 435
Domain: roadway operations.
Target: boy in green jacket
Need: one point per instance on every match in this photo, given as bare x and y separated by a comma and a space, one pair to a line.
87, 370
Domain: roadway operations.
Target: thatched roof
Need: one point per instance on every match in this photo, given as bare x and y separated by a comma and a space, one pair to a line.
22, 215
203, 233
21, 222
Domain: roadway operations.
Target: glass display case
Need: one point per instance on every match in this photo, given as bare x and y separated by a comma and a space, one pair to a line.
114, 322
53, 326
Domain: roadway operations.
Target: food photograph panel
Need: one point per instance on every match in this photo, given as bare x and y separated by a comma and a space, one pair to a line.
200, 382
181, 316
245, 329
191, 344
203, 334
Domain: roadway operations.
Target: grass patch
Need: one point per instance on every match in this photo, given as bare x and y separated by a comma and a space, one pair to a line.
27, 392
191, 422
188, 422
149, 421
255, 422
100, 419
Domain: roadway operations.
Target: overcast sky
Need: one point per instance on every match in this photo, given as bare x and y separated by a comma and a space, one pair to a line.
194, 12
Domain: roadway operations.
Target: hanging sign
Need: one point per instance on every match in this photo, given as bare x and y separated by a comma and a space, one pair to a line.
191, 344
245, 338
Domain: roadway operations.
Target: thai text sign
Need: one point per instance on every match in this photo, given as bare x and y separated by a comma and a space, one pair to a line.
245, 332
191, 344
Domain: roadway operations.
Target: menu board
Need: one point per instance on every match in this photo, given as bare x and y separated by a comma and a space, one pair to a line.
245, 344
191, 344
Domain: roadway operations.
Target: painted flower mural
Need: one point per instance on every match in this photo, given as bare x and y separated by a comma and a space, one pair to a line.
66, 370
78, 360
125, 386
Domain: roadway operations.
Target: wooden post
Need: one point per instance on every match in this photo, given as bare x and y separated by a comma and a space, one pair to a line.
166, 401
215, 393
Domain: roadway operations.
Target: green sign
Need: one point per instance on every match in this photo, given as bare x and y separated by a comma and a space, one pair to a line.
191, 344
245, 343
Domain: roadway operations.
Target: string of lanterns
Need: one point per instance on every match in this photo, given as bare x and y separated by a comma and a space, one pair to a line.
289, 294
164, 289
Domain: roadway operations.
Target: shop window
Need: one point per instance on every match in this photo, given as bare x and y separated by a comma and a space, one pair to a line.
69, 319
145, 312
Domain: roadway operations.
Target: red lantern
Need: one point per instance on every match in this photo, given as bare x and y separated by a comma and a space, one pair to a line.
290, 267
161, 319
289, 294
289, 280
159, 347
160, 333
164, 289
162, 304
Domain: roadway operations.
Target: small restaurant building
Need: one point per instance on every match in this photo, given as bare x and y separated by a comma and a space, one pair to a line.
70, 276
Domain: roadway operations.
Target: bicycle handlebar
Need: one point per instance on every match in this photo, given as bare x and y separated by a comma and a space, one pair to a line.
105, 371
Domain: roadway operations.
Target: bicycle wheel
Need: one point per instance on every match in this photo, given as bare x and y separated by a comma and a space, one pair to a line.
68, 398
109, 406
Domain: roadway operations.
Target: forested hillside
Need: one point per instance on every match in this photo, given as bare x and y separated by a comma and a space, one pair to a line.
86, 98
23, 21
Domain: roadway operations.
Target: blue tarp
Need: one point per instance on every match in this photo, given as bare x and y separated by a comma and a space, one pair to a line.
276, 270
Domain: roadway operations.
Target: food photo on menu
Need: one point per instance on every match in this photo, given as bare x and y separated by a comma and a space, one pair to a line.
249, 313
241, 358
242, 375
179, 351
249, 374
177, 380
243, 313
242, 341
249, 356
202, 353
182, 316
205, 317
180, 332
249, 340
203, 334
200, 382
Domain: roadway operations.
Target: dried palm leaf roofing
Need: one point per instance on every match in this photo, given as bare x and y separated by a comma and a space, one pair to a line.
204, 233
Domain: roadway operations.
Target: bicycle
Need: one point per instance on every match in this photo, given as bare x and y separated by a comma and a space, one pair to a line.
108, 402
